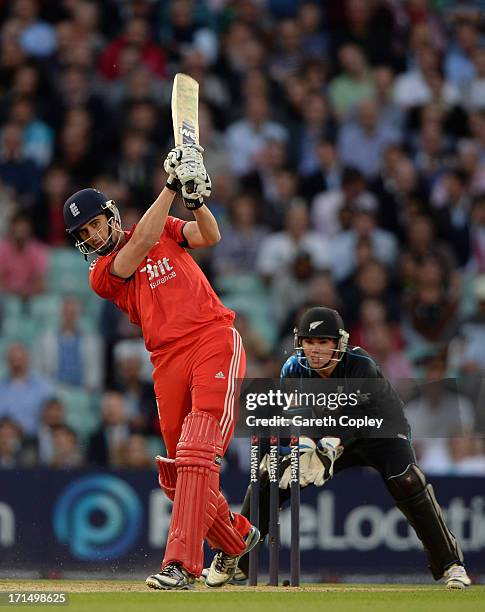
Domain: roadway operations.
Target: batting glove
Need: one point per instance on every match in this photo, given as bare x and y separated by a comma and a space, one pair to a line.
196, 183
175, 157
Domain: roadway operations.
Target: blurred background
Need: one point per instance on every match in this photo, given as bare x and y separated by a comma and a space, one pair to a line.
346, 144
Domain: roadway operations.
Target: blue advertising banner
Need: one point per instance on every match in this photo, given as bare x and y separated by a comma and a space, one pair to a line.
108, 521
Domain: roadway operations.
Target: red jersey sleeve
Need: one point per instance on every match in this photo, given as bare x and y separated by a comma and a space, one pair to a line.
174, 229
103, 282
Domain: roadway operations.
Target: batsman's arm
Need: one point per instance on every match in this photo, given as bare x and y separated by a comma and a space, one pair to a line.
204, 231
146, 234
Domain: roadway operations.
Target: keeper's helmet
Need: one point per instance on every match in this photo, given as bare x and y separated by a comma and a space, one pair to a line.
83, 206
322, 322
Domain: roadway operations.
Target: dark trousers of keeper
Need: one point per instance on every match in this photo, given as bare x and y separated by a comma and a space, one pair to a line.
391, 457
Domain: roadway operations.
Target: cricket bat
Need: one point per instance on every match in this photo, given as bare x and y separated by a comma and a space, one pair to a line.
185, 110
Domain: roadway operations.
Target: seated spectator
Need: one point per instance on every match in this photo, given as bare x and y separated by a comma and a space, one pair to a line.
74, 91
317, 123
373, 315
134, 166
431, 308
368, 24
314, 40
323, 291
468, 455
362, 140
389, 111
66, 450
290, 288
215, 155
18, 171
421, 241
23, 260
10, 443
23, 392
328, 172
287, 55
476, 263
48, 218
474, 96
400, 191
70, 355
469, 161
327, 206
181, 27
371, 280
467, 349
142, 117
354, 84
135, 454
136, 33
51, 418
262, 180
237, 251
460, 63
37, 37
116, 329
279, 249
437, 414
381, 345
138, 394
246, 137
38, 137
383, 244
432, 154
415, 87
105, 445
284, 197
453, 218
256, 348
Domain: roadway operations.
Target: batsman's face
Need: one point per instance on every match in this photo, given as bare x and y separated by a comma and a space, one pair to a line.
318, 351
96, 232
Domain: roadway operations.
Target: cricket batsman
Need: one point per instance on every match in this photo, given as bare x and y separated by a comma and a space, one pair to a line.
322, 350
196, 352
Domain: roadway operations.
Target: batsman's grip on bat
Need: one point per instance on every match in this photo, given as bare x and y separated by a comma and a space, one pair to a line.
179, 155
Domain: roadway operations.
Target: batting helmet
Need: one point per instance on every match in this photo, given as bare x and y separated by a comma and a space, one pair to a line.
83, 206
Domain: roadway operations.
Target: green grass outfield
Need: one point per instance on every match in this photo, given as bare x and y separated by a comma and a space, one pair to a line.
122, 596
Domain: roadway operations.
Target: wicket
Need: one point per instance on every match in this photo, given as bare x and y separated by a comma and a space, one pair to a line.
274, 508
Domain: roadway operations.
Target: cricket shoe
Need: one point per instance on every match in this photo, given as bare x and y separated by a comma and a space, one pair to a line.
239, 578
455, 577
173, 577
223, 568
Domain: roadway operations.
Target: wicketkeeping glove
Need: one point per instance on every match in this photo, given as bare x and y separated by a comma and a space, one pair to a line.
316, 462
175, 157
322, 461
306, 447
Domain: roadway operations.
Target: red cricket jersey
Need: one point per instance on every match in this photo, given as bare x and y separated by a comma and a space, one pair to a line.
168, 296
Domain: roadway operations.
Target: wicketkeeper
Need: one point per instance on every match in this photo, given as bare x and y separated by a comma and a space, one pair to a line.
322, 351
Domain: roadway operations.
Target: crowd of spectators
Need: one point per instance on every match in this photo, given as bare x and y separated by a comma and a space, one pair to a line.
346, 144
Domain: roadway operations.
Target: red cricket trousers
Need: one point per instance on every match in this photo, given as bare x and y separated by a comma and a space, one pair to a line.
198, 373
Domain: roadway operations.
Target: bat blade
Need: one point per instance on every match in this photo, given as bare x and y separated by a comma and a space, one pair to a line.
185, 110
